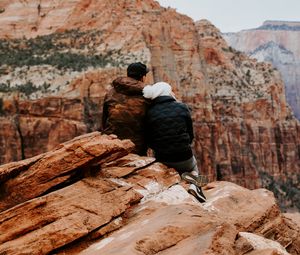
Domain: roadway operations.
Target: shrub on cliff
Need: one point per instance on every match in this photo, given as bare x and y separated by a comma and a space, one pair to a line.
54, 50
27, 89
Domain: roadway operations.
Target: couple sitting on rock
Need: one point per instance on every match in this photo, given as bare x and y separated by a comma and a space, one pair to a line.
151, 117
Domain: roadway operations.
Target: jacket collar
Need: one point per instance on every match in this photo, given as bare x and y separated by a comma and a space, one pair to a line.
163, 99
128, 86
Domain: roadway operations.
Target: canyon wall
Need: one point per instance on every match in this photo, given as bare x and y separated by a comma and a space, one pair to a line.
53, 82
276, 42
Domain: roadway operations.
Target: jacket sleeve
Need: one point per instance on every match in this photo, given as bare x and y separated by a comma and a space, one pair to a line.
147, 122
147, 129
189, 123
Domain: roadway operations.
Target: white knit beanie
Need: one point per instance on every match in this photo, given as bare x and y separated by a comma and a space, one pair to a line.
157, 89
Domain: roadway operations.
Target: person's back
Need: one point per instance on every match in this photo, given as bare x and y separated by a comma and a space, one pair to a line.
170, 134
125, 107
172, 131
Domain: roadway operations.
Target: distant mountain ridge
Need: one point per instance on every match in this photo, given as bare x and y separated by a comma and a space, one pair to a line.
277, 42
280, 25
272, 44
272, 52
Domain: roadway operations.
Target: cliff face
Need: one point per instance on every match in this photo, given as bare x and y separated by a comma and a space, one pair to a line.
31, 126
276, 42
252, 128
90, 196
55, 83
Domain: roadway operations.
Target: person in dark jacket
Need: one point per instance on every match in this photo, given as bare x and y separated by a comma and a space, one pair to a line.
170, 134
125, 107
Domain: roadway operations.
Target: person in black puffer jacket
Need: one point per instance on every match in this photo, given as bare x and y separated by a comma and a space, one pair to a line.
169, 132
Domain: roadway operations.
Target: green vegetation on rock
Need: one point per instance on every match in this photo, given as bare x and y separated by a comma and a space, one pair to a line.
26, 89
62, 50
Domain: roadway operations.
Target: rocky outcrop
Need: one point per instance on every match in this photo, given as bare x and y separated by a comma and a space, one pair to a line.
244, 129
132, 204
275, 42
75, 154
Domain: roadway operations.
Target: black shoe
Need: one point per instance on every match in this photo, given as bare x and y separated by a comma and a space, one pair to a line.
197, 193
199, 181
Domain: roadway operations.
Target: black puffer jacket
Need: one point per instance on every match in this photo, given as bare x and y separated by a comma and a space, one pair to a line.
169, 129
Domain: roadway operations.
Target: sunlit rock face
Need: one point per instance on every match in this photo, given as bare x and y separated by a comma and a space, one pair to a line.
276, 42
54, 81
91, 196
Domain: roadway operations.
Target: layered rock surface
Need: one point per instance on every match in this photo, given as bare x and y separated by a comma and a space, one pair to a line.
112, 203
52, 86
276, 42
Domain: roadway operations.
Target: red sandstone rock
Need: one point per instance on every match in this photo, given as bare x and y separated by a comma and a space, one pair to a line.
37, 176
67, 215
294, 217
10, 142
173, 224
131, 204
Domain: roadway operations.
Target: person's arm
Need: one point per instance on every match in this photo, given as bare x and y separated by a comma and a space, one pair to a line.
189, 123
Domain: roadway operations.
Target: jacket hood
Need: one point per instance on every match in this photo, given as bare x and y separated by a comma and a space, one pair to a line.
163, 99
156, 90
128, 86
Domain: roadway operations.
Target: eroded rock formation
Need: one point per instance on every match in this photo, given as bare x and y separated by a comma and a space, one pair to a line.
276, 42
53, 86
89, 197
252, 127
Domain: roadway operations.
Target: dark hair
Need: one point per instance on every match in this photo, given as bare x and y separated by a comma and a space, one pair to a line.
139, 78
137, 71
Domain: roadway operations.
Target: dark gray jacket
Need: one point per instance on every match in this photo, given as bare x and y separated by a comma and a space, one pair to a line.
169, 129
